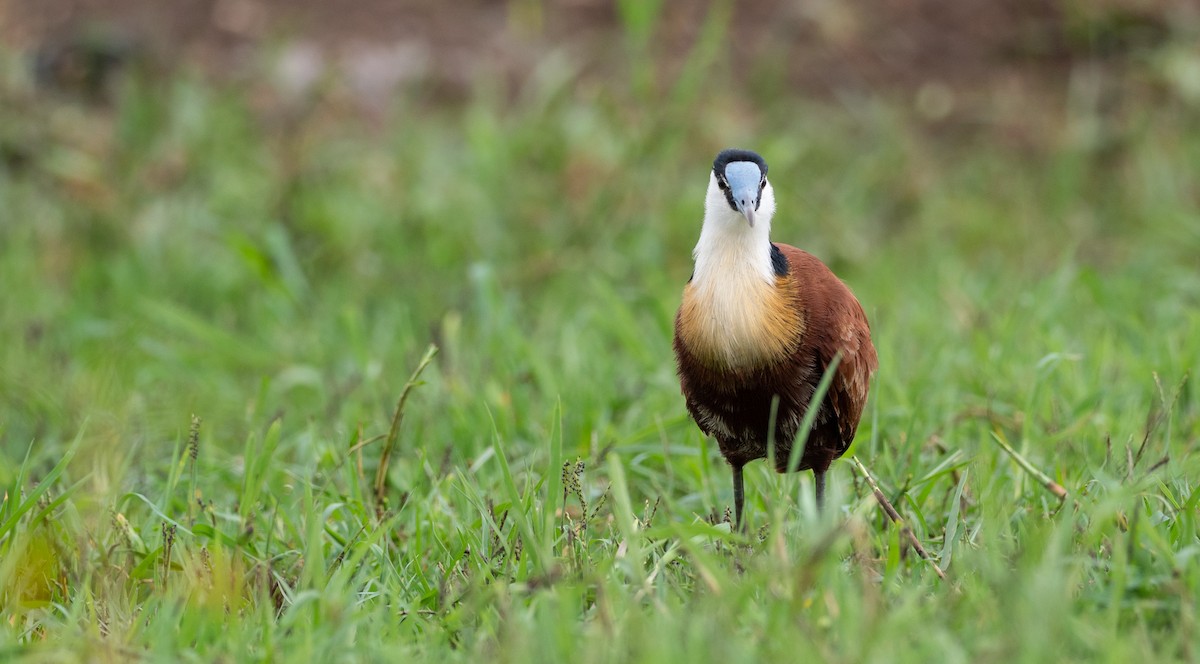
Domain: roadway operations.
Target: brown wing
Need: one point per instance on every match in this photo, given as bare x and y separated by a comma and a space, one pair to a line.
836, 326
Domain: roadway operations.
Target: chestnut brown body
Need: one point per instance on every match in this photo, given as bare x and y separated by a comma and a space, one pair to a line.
788, 333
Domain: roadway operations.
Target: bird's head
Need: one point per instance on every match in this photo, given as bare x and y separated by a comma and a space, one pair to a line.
738, 189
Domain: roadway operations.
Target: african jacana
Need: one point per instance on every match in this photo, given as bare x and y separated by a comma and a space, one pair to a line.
761, 322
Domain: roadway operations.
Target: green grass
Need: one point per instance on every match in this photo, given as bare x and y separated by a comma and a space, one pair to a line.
209, 317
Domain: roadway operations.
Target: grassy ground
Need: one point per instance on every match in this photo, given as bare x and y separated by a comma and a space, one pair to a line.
209, 316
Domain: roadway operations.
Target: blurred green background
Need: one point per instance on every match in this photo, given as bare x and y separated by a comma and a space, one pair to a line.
261, 214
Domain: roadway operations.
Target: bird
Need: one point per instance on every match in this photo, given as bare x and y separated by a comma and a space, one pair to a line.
758, 326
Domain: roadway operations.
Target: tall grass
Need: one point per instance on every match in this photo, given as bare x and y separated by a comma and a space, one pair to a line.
209, 322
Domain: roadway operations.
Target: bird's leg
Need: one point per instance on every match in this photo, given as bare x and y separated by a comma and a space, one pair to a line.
739, 496
819, 475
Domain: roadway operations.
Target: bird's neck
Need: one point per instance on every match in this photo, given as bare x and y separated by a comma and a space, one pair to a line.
735, 312
731, 252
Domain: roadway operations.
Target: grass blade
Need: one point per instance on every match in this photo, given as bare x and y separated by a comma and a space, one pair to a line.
394, 430
1044, 479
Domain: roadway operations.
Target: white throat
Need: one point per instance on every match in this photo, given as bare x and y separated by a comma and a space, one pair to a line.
731, 255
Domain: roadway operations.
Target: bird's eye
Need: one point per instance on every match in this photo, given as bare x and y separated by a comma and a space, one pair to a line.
722, 184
